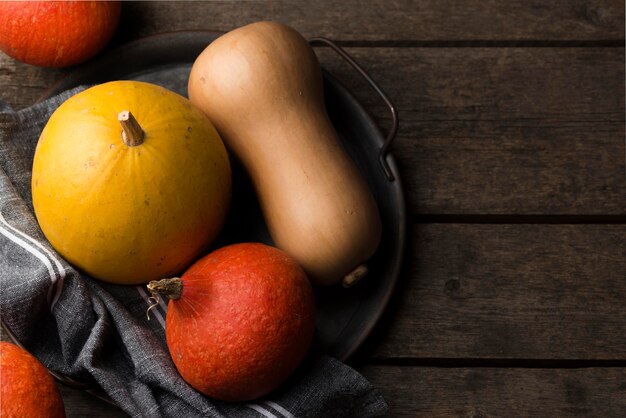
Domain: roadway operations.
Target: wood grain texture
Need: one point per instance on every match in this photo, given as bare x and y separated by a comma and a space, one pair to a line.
501, 130
472, 291
21, 84
500, 392
483, 131
421, 20
463, 392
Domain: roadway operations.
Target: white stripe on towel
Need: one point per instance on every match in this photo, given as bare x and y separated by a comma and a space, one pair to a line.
261, 410
54, 277
280, 409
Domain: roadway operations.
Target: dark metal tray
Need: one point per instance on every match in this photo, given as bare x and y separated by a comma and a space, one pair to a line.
345, 316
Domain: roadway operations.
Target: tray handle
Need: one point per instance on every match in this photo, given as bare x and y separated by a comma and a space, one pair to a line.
384, 150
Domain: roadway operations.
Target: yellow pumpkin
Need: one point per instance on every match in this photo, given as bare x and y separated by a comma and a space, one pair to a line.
130, 182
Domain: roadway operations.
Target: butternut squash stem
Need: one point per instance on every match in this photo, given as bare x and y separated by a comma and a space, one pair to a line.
172, 288
354, 276
132, 134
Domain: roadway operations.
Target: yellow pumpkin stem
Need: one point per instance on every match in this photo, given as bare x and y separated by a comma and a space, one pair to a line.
354, 276
132, 134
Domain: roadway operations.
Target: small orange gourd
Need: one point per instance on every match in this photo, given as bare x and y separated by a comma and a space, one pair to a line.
130, 182
27, 390
261, 85
239, 321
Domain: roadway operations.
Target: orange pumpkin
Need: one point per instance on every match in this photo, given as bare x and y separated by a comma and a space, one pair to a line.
27, 390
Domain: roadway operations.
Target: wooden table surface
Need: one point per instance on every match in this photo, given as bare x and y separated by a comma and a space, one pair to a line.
512, 297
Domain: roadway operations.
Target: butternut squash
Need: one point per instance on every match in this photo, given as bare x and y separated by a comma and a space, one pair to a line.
261, 86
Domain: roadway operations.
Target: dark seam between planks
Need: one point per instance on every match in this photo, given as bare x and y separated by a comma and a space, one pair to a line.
481, 43
494, 363
519, 219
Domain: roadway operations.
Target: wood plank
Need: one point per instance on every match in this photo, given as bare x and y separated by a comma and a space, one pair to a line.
483, 131
472, 291
501, 130
21, 84
391, 21
500, 392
